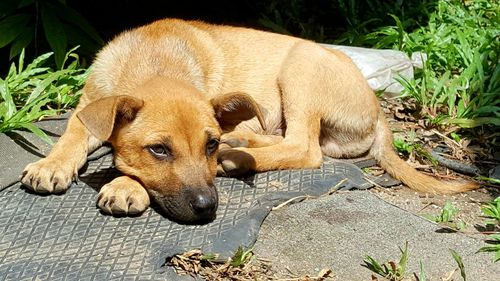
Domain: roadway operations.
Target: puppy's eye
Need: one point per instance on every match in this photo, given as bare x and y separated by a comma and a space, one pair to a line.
212, 146
159, 151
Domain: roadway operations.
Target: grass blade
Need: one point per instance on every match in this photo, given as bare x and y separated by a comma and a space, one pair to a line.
37, 131
460, 264
10, 107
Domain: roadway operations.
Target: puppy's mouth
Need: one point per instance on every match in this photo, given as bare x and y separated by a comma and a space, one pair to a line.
189, 206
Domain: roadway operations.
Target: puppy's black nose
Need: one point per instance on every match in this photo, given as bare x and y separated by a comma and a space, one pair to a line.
204, 205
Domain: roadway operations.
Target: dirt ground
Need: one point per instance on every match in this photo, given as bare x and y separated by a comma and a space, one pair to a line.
468, 204
471, 149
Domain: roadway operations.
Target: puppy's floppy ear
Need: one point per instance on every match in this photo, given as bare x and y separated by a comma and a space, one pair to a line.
234, 108
100, 116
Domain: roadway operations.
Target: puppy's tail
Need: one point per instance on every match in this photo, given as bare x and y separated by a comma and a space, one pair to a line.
383, 152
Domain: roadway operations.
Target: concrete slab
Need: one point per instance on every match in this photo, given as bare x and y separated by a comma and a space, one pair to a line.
338, 231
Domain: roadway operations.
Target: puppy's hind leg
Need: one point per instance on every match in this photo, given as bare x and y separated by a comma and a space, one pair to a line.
299, 82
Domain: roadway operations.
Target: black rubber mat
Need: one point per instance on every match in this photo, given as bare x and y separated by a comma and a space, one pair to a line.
65, 237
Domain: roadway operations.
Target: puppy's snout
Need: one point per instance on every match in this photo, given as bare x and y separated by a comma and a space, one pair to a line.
203, 203
192, 205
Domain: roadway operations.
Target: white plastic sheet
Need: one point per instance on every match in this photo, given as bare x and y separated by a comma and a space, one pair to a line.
380, 67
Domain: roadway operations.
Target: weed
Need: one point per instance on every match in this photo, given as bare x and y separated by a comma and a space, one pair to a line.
246, 268
389, 270
241, 256
491, 180
447, 217
492, 211
293, 16
29, 93
407, 148
367, 170
62, 26
422, 276
460, 263
460, 81
493, 239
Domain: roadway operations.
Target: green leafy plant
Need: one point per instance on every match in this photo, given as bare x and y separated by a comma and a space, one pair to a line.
494, 239
491, 180
408, 147
241, 257
367, 21
29, 93
422, 276
390, 270
292, 17
447, 217
337, 21
460, 264
492, 211
403, 146
61, 25
460, 81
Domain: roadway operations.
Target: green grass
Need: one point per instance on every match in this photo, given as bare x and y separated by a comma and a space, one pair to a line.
460, 264
391, 270
447, 217
460, 82
492, 211
408, 147
494, 240
241, 257
422, 276
28, 24
29, 93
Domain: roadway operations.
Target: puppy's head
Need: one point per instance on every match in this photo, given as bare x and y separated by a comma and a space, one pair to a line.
167, 137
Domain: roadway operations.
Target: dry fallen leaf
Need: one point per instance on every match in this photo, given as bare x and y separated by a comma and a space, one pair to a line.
194, 263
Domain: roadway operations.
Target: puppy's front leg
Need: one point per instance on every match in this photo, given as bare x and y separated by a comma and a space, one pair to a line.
55, 173
293, 152
123, 196
237, 161
237, 154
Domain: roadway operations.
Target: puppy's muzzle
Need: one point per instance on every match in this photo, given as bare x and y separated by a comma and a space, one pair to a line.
191, 205
204, 205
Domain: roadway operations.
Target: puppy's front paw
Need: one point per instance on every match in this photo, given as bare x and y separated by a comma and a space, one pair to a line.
48, 176
234, 162
123, 196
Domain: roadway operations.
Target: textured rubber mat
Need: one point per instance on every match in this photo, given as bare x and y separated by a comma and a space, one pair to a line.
65, 237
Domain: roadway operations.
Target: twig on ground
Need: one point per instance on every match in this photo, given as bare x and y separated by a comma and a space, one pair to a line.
304, 197
291, 200
449, 277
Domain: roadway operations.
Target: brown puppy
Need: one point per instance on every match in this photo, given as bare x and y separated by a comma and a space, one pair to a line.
166, 94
